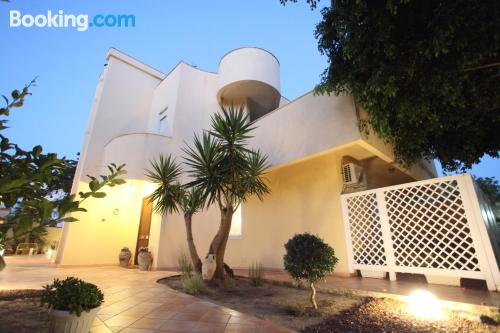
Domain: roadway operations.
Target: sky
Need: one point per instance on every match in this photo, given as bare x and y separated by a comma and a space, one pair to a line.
67, 63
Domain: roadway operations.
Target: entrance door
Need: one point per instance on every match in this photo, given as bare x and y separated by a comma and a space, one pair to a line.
144, 226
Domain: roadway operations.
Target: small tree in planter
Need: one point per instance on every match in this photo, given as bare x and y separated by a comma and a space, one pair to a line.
74, 305
308, 257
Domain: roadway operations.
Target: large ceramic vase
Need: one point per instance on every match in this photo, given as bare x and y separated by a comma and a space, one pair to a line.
65, 322
124, 257
144, 259
208, 267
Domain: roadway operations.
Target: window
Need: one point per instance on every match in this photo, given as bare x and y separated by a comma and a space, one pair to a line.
162, 121
236, 231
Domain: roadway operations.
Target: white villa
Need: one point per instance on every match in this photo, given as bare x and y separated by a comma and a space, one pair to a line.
315, 149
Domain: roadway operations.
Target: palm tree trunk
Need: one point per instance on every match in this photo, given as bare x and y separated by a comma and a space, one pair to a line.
195, 259
218, 245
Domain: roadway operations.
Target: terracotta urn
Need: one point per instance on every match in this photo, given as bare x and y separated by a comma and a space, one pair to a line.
208, 267
144, 259
124, 257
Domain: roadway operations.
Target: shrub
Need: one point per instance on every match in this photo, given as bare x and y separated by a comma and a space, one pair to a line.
256, 274
308, 257
71, 294
296, 310
193, 284
228, 284
185, 265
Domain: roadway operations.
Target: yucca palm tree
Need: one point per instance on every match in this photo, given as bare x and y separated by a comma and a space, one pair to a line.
226, 171
170, 197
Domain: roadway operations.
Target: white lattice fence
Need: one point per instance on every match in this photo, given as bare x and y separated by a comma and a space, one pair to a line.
434, 227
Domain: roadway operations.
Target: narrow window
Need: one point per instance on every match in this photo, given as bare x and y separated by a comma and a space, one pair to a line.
162, 121
236, 227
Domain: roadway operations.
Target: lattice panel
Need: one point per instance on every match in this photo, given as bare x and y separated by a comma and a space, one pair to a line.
366, 232
429, 227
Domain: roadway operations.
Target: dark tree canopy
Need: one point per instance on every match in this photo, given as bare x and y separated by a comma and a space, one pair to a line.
427, 72
308, 257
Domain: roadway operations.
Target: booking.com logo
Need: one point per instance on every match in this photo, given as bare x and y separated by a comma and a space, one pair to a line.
80, 22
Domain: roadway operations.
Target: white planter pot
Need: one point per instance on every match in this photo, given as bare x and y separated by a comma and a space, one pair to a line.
64, 322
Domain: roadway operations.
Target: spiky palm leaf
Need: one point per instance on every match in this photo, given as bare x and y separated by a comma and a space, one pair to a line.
220, 163
191, 200
165, 173
204, 159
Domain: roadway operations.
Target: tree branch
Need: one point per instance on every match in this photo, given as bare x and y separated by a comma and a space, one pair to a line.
493, 64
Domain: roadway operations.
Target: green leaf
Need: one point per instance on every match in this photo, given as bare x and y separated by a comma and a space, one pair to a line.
37, 150
69, 219
94, 185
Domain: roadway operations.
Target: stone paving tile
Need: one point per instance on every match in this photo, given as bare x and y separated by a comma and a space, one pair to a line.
100, 329
121, 320
203, 327
215, 316
179, 325
136, 330
149, 323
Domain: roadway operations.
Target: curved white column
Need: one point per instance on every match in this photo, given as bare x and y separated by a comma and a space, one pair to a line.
250, 76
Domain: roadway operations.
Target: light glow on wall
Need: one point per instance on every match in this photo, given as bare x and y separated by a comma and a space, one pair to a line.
148, 189
236, 227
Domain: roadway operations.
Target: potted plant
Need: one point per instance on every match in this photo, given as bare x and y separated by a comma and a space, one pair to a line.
2, 263
145, 259
125, 256
73, 305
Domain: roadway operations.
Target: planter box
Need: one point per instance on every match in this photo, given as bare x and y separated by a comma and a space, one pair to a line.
64, 322
373, 274
445, 280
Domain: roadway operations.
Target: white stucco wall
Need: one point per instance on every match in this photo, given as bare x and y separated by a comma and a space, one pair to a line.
307, 126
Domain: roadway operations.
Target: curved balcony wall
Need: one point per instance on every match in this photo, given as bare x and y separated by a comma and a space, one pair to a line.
250, 76
136, 150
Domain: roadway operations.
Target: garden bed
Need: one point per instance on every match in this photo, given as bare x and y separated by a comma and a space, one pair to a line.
341, 311
20, 312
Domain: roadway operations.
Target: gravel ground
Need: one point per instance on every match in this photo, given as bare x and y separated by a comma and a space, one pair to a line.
20, 312
270, 301
342, 312
388, 315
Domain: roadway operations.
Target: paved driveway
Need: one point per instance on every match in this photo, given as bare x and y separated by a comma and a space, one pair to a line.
134, 301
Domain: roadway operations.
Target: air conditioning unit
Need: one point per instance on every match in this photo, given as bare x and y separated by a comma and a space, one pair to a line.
352, 174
